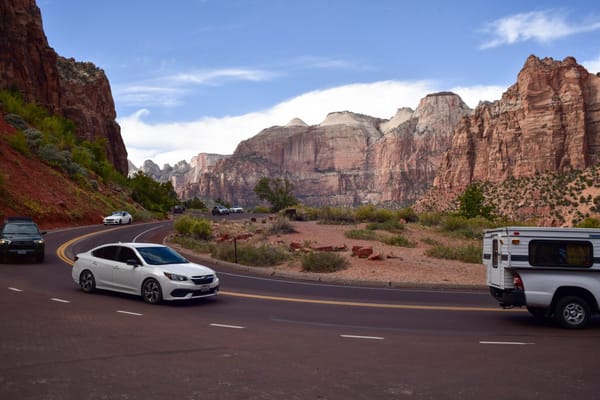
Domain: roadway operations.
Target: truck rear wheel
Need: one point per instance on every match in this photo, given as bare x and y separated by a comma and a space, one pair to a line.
572, 312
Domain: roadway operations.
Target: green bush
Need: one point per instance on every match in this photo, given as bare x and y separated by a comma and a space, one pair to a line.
398, 241
469, 253
279, 225
589, 223
19, 143
323, 262
198, 228
391, 225
201, 229
408, 214
246, 254
333, 215
361, 234
430, 218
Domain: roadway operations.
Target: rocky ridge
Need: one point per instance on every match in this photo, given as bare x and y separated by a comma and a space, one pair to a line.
78, 91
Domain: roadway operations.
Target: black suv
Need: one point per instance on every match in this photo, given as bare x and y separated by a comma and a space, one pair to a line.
20, 236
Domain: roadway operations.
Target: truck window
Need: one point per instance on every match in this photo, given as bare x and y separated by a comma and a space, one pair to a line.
560, 253
495, 253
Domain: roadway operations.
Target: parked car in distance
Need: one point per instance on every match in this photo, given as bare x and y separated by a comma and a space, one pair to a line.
153, 271
178, 209
20, 236
118, 218
236, 210
220, 210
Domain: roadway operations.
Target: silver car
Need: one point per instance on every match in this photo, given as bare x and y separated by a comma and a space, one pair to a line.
153, 271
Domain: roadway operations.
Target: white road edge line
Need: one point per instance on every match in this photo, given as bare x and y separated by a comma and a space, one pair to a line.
227, 326
14, 289
130, 313
508, 343
362, 337
59, 300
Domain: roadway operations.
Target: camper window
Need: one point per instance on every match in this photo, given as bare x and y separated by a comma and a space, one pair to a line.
560, 253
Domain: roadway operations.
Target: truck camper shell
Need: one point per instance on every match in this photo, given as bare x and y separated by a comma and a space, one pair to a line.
537, 267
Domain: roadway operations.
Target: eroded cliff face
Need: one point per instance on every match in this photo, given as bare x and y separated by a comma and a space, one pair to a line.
346, 160
78, 91
549, 121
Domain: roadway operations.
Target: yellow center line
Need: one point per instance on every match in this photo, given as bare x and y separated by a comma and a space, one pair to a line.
360, 304
60, 252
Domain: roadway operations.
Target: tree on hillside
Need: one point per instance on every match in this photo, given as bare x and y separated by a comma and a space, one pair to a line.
277, 191
472, 203
152, 195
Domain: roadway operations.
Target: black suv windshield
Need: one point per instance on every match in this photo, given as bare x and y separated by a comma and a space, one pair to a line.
21, 229
161, 256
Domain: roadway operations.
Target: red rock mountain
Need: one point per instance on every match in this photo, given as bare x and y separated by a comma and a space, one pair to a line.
346, 160
76, 90
549, 121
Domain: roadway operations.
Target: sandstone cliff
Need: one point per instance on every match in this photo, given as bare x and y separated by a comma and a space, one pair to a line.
78, 91
347, 159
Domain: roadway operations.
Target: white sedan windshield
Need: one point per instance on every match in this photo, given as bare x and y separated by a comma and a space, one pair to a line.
161, 256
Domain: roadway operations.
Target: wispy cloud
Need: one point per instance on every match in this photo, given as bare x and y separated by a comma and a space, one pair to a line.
169, 90
172, 142
541, 26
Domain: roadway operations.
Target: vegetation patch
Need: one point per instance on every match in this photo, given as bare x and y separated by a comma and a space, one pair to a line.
323, 262
264, 255
468, 254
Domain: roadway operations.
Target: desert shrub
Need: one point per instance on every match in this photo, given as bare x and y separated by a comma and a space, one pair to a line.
201, 229
430, 241
34, 138
470, 228
246, 254
323, 262
198, 246
262, 210
373, 214
16, 121
468, 254
589, 223
430, 218
332, 215
198, 228
408, 214
398, 240
361, 234
19, 143
391, 225
278, 226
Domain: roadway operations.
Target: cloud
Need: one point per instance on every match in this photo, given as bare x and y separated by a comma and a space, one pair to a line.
175, 141
541, 26
167, 91
592, 66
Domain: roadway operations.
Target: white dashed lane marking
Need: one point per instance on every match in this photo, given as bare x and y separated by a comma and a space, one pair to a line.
227, 326
362, 337
129, 313
59, 300
14, 289
506, 343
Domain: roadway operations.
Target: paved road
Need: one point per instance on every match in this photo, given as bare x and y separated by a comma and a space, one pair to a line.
265, 338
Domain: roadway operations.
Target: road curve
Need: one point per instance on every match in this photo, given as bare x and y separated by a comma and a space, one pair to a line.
271, 338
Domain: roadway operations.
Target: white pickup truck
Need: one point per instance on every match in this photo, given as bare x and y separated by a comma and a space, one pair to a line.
554, 272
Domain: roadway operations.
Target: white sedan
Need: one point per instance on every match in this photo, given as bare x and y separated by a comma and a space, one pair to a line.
153, 271
118, 218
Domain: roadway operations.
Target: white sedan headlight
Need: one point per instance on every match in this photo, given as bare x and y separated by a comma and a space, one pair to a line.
175, 277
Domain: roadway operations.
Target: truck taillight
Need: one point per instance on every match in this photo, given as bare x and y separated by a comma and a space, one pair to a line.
518, 282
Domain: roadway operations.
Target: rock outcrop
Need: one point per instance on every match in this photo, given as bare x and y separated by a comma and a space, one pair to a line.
78, 91
549, 121
346, 160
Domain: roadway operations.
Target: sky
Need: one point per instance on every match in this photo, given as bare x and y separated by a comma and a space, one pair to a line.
200, 76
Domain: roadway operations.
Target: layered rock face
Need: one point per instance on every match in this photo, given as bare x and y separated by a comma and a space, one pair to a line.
346, 160
549, 121
78, 91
